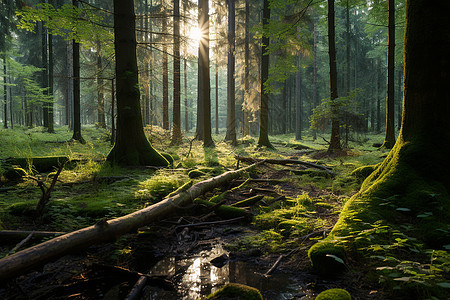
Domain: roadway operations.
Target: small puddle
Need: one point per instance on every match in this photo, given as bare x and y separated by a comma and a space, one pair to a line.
196, 277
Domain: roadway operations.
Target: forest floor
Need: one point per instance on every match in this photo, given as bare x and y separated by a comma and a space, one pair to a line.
195, 251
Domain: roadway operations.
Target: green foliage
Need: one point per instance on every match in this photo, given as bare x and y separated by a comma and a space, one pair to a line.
345, 109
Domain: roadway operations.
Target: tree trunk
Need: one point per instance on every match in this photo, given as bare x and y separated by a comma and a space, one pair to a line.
44, 66
315, 73
131, 146
176, 130
5, 95
100, 96
231, 95
106, 231
389, 139
76, 89
204, 69
51, 119
246, 68
335, 139
263, 139
414, 174
217, 92
165, 71
298, 110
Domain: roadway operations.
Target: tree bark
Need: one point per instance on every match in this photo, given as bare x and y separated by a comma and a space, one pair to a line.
131, 146
335, 139
389, 139
176, 115
246, 67
105, 231
5, 95
205, 77
165, 73
298, 85
263, 139
51, 118
231, 96
100, 95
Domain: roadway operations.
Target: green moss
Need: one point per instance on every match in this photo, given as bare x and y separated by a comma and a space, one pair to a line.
249, 201
168, 157
224, 211
23, 208
363, 172
334, 294
236, 291
195, 174
327, 258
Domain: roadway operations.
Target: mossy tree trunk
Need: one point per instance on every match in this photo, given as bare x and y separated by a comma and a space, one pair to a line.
165, 70
416, 169
414, 176
263, 139
335, 139
131, 145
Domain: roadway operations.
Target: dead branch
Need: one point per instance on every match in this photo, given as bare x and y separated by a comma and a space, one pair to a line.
23, 242
137, 288
107, 231
284, 162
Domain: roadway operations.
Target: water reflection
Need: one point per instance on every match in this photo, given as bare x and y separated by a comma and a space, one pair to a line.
196, 276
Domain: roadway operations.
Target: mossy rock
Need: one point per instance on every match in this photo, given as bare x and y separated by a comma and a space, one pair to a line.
236, 291
334, 294
327, 258
23, 208
363, 172
40, 164
195, 174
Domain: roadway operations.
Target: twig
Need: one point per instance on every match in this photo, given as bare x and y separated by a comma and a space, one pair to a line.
210, 223
277, 262
24, 241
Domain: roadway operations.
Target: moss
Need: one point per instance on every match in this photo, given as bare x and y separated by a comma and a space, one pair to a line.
236, 291
249, 201
334, 294
312, 173
23, 208
40, 164
195, 174
327, 258
224, 211
363, 172
168, 157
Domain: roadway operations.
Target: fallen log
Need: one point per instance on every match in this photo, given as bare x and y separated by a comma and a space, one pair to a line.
107, 230
284, 162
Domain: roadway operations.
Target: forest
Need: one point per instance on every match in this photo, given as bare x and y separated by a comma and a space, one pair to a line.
224, 149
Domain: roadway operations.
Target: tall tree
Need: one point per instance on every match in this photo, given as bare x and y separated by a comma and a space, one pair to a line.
100, 96
298, 110
335, 139
165, 70
414, 174
51, 119
176, 130
76, 89
205, 86
246, 66
131, 146
231, 96
389, 139
44, 66
263, 139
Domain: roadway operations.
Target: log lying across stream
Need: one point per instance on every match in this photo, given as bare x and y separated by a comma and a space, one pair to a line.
108, 230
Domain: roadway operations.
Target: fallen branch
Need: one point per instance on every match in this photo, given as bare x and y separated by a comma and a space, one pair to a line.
23, 242
284, 162
137, 288
106, 231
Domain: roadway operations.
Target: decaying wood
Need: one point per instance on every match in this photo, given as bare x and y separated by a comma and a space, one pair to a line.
23, 242
285, 162
37, 255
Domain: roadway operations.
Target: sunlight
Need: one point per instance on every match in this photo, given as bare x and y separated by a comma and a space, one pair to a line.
195, 35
